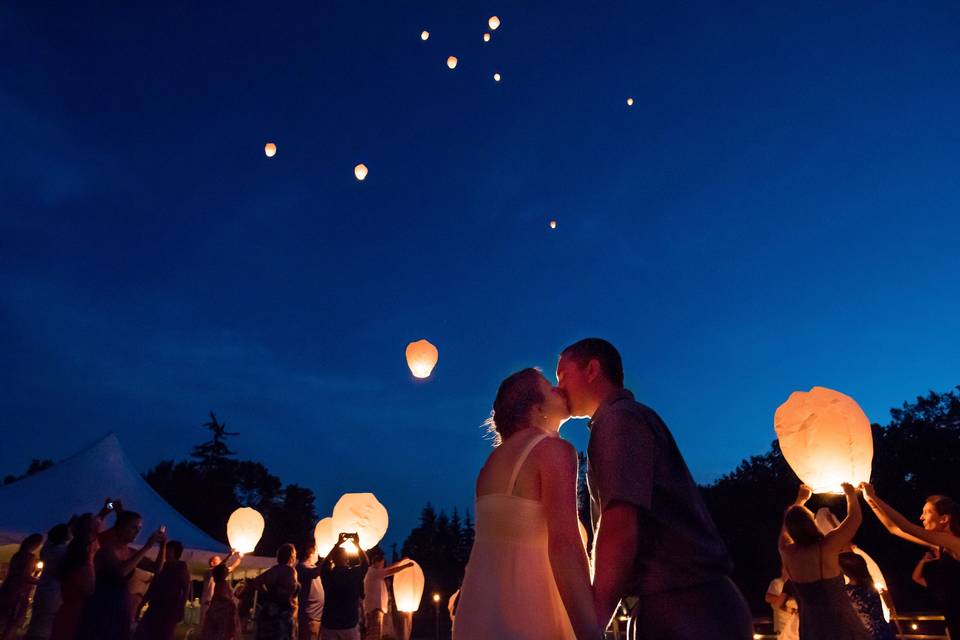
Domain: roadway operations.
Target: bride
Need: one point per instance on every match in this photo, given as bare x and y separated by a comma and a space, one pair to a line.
527, 577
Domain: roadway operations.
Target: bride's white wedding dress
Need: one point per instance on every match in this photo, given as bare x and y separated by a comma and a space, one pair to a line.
508, 589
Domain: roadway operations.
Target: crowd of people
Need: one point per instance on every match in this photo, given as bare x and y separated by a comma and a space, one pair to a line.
85, 581
825, 590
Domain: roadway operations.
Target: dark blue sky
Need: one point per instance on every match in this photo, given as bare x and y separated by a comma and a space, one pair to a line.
779, 209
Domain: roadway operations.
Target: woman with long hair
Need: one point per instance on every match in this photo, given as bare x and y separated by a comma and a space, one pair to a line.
528, 575
811, 559
940, 532
864, 596
222, 621
77, 576
17, 589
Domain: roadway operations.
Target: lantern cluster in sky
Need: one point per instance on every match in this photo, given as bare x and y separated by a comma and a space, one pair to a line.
244, 529
493, 23
360, 171
826, 439
408, 587
270, 149
361, 513
422, 358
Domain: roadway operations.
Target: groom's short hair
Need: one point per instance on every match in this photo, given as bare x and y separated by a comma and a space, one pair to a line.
583, 351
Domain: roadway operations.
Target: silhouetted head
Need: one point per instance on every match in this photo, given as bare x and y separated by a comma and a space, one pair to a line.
58, 535
128, 526
375, 557
308, 553
526, 399
32, 543
855, 568
220, 573
941, 513
174, 550
801, 526
287, 554
588, 370
214, 561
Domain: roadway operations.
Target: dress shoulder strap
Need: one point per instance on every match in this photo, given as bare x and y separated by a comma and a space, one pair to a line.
520, 460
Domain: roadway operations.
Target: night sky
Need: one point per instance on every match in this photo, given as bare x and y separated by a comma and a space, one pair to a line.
779, 209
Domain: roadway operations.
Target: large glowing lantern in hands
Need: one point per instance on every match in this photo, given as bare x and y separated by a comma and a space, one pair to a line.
422, 358
325, 536
244, 529
361, 513
408, 587
826, 439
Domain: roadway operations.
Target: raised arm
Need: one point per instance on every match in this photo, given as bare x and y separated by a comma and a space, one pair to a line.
900, 526
568, 559
128, 565
396, 568
803, 494
843, 534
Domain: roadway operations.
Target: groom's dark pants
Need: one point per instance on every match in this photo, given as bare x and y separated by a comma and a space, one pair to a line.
712, 611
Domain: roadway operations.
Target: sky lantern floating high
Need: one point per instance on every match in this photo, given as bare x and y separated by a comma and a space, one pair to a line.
452, 62
324, 535
424, 35
408, 587
360, 171
493, 23
422, 358
270, 149
826, 439
361, 513
496, 77
629, 102
553, 224
244, 529
486, 37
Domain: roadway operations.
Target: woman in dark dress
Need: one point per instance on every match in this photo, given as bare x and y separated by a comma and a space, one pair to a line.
940, 532
222, 621
863, 594
811, 559
77, 577
17, 589
277, 589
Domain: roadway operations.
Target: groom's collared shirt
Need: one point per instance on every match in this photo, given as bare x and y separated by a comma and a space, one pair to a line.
633, 458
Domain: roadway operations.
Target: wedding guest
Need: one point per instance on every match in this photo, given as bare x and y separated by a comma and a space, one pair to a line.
166, 598
310, 608
786, 621
17, 589
940, 531
343, 589
108, 612
77, 576
46, 599
278, 588
375, 592
811, 560
206, 590
864, 596
222, 621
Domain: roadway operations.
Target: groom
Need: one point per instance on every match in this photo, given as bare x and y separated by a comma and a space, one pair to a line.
655, 540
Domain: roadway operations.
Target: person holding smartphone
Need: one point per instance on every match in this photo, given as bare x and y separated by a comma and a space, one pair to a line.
342, 575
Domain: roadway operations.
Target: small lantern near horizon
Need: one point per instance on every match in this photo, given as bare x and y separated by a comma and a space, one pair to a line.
452, 62
424, 35
486, 37
408, 587
629, 102
270, 149
360, 171
361, 513
493, 23
422, 358
496, 77
825, 438
244, 529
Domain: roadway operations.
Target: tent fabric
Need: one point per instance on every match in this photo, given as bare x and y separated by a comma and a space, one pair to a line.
80, 483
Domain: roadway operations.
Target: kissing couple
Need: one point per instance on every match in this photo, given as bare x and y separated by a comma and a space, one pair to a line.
655, 545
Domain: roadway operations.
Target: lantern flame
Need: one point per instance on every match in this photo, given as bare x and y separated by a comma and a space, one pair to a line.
351, 547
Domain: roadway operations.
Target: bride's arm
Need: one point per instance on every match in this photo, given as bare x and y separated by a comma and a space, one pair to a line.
568, 558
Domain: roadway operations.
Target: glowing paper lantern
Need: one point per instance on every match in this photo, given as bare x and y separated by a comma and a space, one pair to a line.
422, 358
496, 77
452, 62
486, 37
408, 587
324, 535
629, 102
493, 23
424, 35
361, 513
553, 224
244, 529
826, 438
270, 149
360, 171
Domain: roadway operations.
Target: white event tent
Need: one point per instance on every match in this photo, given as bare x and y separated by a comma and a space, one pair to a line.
80, 483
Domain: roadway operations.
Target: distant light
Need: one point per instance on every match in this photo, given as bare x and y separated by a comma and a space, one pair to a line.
496, 77
360, 171
629, 102
436, 597
494, 23
757, 636
270, 149
424, 35
452, 62
914, 626
486, 37
553, 224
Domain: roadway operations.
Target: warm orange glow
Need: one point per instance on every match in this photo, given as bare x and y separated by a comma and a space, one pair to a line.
452, 62
424, 35
39, 565
244, 529
629, 102
496, 77
270, 149
350, 547
553, 224
360, 171
486, 37
361, 513
408, 587
422, 358
493, 23
436, 597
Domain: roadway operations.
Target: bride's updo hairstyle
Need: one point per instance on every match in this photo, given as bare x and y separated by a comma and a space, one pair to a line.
519, 393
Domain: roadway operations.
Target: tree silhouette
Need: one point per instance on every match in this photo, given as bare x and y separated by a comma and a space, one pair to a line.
214, 452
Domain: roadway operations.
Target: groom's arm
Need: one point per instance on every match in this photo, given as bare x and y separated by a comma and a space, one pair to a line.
613, 553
